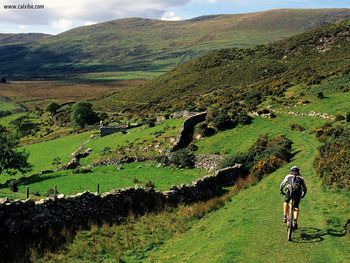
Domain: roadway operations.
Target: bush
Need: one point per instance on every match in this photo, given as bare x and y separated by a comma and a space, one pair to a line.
183, 158
192, 147
332, 162
53, 107
339, 117
347, 117
296, 127
13, 186
162, 159
3, 80
222, 122
205, 131
320, 95
264, 157
82, 170
83, 114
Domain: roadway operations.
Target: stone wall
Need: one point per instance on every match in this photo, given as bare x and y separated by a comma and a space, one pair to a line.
186, 132
209, 162
24, 222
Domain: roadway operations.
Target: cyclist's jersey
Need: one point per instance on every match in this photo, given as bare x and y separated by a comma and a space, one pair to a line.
289, 180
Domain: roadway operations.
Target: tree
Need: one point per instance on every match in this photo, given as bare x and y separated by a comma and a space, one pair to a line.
9, 157
3, 80
53, 107
347, 117
83, 114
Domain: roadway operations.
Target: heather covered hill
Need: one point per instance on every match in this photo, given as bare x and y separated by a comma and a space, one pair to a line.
146, 44
245, 75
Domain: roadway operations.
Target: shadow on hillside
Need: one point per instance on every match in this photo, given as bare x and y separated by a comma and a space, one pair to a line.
312, 234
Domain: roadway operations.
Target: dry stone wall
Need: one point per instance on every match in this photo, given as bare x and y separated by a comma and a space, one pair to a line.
32, 218
186, 132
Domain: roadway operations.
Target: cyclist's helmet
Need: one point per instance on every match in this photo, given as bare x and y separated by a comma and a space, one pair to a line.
295, 169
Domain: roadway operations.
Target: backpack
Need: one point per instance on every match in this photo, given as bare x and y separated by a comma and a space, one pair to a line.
297, 184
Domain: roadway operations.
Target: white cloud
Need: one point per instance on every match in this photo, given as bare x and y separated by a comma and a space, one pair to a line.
89, 23
170, 16
22, 27
63, 24
83, 11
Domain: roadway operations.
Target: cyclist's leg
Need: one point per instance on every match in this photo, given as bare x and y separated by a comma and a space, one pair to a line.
286, 204
296, 197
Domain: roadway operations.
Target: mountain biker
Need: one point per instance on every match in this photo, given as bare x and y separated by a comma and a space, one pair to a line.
296, 189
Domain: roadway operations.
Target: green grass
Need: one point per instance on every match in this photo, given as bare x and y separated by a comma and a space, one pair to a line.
128, 75
5, 121
241, 138
336, 103
110, 177
249, 228
135, 138
42, 154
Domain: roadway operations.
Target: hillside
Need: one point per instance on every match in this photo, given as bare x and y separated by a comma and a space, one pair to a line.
11, 39
243, 74
145, 44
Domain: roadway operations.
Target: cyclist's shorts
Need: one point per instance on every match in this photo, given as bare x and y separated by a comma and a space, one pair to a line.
295, 195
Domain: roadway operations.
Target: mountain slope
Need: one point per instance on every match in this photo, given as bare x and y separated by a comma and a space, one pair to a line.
10, 39
304, 59
144, 44
249, 228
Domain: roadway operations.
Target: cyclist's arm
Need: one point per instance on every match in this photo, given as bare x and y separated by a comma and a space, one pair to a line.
283, 184
304, 187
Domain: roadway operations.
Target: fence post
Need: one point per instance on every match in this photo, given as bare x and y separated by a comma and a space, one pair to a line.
55, 190
27, 191
98, 188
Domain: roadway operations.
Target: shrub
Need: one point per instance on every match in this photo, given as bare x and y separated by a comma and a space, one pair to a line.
339, 117
53, 107
162, 159
222, 122
13, 186
82, 170
320, 95
205, 130
296, 127
264, 157
183, 158
332, 162
192, 147
83, 114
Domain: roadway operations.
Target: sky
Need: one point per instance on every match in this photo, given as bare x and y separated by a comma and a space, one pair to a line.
56, 16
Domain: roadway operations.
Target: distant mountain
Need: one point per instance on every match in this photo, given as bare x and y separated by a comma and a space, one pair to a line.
145, 44
242, 75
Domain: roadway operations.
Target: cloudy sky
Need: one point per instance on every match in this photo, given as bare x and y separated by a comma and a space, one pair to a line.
55, 16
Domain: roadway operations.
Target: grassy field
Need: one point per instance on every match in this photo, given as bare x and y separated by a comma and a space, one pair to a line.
137, 140
247, 228
5, 121
254, 217
110, 177
241, 138
41, 155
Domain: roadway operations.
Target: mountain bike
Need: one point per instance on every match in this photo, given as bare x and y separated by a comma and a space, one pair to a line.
290, 219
